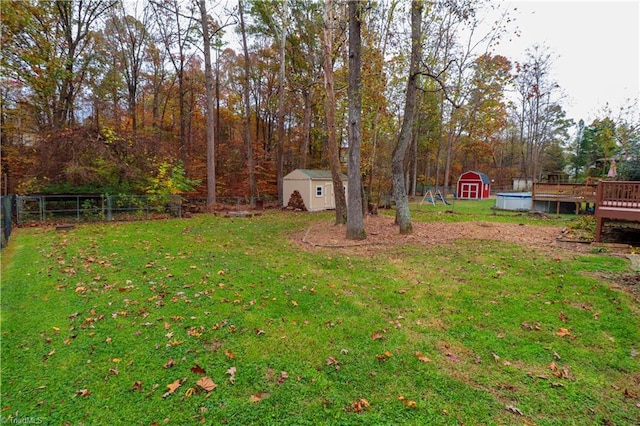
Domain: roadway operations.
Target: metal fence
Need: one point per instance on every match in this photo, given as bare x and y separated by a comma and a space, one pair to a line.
94, 207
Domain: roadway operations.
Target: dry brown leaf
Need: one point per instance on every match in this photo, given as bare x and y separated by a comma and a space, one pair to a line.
452, 356
563, 332
137, 386
563, 317
169, 364
514, 409
206, 383
283, 377
332, 361
232, 375
359, 405
83, 392
376, 336
259, 397
383, 357
198, 370
422, 357
172, 388
229, 354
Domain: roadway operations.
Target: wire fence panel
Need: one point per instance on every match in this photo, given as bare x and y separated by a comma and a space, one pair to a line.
94, 207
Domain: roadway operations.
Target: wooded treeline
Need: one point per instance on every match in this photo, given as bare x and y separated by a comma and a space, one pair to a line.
138, 96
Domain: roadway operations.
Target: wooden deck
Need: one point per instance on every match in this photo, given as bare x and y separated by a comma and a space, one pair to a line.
616, 200
564, 193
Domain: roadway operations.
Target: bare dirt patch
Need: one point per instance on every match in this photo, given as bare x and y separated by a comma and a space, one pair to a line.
381, 233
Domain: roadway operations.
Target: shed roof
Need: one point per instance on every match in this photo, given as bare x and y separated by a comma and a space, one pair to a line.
482, 176
318, 174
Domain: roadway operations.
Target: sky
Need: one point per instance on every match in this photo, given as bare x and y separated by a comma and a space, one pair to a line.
595, 46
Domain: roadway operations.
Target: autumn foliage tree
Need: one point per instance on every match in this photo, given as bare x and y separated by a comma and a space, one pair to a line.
109, 91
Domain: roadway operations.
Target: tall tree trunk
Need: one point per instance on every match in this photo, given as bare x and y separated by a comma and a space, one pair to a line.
334, 153
306, 128
355, 221
210, 132
281, 104
247, 110
414, 164
403, 216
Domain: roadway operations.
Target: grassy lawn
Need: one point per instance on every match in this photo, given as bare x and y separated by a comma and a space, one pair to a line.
226, 321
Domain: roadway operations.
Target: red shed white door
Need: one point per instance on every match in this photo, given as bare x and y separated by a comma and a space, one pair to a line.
469, 190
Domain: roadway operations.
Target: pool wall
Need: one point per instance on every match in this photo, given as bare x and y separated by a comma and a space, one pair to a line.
518, 201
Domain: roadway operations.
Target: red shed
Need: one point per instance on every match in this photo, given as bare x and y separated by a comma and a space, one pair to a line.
473, 186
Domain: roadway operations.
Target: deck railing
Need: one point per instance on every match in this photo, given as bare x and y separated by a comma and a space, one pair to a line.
617, 200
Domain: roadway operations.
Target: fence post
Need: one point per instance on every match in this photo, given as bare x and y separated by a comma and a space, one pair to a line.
6, 206
109, 207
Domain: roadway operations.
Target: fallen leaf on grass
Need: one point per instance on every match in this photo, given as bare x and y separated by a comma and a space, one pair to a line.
169, 364
194, 332
198, 370
207, 384
283, 377
422, 357
526, 326
137, 386
359, 405
232, 375
172, 387
452, 356
258, 397
563, 317
383, 357
332, 361
408, 403
82, 392
229, 354
49, 355
558, 372
376, 336
563, 332
513, 409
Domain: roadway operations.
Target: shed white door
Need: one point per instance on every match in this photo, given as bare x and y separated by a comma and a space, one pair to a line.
328, 196
469, 190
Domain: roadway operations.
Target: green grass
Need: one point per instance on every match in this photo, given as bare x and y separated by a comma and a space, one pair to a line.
105, 307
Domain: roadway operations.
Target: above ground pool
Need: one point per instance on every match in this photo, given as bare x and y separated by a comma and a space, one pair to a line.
514, 201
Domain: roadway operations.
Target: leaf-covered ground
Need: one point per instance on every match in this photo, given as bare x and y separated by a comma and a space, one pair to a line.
252, 321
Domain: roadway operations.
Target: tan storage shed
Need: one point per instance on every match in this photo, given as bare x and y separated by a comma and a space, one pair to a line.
315, 187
